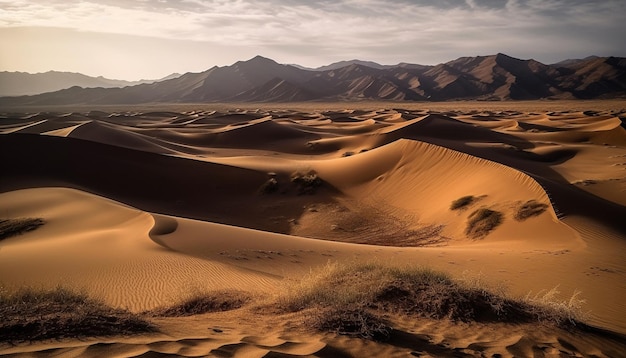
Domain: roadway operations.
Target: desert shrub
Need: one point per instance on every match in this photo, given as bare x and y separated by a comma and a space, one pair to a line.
306, 183
462, 202
333, 285
32, 315
434, 295
199, 303
529, 209
13, 227
353, 322
351, 299
545, 306
481, 222
270, 186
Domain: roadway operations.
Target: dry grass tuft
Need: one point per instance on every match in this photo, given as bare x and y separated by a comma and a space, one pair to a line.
270, 186
33, 315
332, 285
352, 299
481, 222
353, 322
199, 303
13, 227
306, 183
547, 307
529, 209
462, 202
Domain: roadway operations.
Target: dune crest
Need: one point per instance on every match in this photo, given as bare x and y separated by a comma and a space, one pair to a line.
145, 208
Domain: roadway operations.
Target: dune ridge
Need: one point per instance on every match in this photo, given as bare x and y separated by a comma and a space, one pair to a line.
145, 207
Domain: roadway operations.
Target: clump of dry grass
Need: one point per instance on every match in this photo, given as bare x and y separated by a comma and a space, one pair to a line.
33, 315
462, 202
481, 222
270, 186
353, 322
13, 227
306, 182
547, 307
204, 302
529, 209
352, 299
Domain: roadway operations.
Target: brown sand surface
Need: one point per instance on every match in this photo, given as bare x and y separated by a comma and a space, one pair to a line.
144, 206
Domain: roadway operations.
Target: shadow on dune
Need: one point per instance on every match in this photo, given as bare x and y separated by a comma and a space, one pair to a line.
566, 198
163, 225
151, 182
225, 194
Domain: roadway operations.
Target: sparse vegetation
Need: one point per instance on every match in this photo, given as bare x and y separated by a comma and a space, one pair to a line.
546, 307
13, 227
529, 209
415, 291
481, 222
352, 299
199, 303
353, 322
270, 186
585, 182
307, 183
33, 315
462, 202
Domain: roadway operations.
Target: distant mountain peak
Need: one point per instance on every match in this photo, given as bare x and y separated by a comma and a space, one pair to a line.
504, 57
340, 64
260, 59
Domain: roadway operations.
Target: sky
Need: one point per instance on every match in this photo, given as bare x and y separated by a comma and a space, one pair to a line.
150, 39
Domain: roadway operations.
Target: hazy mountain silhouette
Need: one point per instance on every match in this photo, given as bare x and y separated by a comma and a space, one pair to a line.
496, 77
573, 61
22, 83
341, 64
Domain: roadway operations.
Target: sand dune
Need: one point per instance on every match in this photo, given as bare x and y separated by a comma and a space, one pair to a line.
145, 207
93, 243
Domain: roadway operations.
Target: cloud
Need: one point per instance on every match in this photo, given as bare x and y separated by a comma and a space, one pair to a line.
219, 19
318, 32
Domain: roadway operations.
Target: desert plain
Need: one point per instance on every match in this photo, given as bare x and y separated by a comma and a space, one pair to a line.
265, 205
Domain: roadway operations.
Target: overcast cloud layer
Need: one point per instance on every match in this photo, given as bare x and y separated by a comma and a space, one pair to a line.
134, 39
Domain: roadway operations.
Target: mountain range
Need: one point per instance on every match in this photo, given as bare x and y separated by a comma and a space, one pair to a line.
22, 83
495, 77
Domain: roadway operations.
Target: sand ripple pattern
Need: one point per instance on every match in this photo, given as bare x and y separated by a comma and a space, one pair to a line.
229, 345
